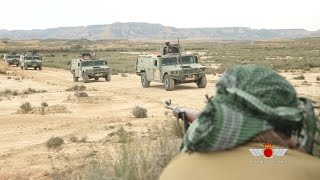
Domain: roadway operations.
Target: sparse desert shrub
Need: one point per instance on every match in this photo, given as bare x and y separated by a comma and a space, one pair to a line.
17, 78
80, 94
139, 112
83, 139
15, 92
176, 129
31, 90
9, 77
300, 77
7, 91
44, 104
41, 91
26, 107
54, 142
73, 139
124, 75
2, 71
136, 163
123, 135
318, 78
77, 88
114, 72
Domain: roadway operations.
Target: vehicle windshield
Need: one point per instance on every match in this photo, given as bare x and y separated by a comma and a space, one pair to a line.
36, 58
99, 63
86, 63
33, 58
13, 56
187, 59
169, 61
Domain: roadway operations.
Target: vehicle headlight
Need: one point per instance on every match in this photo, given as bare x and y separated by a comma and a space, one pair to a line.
174, 72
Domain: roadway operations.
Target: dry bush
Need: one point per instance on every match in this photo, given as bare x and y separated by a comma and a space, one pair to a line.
134, 160
80, 94
77, 88
123, 135
137, 161
73, 139
54, 142
124, 75
9, 77
17, 78
83, 139
30, 91
318, 78
300, 77
15, 92
76, 140
7, 91
25, 107
139, 112
176, 128
44, 104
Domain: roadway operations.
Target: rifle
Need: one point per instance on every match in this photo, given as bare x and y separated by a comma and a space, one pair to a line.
180, 114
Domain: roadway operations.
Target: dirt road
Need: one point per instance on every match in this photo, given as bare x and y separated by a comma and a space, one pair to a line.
23, 154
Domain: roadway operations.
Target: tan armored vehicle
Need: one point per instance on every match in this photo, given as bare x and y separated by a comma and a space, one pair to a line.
88, 66
171, 68
12, 58
31, 59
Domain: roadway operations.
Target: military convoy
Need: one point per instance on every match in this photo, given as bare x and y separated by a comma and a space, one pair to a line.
30, 59
88, 66
170, 67
12, 58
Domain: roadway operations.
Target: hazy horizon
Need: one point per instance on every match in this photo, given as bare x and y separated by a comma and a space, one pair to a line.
271, 14
152, 23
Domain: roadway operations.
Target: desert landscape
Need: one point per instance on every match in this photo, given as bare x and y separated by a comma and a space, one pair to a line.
94, 129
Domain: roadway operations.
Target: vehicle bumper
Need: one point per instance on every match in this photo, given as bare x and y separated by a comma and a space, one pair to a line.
13, 62
33, 64
187, 78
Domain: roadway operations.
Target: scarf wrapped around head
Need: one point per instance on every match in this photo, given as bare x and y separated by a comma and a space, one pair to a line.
249, 100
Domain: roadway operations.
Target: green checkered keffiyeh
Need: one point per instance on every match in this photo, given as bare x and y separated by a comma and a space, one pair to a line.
250, 99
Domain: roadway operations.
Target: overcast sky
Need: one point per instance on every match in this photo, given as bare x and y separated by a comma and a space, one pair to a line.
271, 14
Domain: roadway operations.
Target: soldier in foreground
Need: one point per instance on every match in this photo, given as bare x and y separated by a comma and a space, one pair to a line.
253, 106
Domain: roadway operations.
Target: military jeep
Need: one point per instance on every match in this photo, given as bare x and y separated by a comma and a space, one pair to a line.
30, 59
12, 58
171, 68
88, 66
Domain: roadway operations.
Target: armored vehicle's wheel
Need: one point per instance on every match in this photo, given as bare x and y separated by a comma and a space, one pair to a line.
85, 78
96, 78
40, 68
144, 81
35, 68
107, 77
168, 83
21, 67
75, 78
25, 67
202, 82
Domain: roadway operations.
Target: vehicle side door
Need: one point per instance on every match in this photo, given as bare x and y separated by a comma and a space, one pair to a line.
156, 69
149, 70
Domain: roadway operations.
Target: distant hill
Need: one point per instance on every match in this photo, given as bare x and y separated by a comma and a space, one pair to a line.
136, 30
